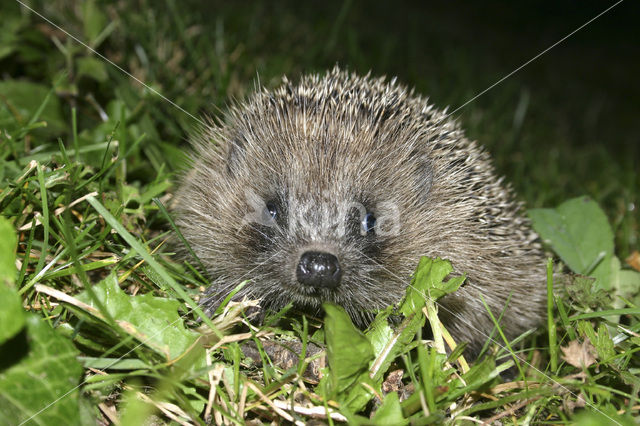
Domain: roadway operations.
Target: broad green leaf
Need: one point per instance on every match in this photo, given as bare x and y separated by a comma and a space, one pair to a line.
390, 412
152, 320
379, 332
348, 350
94, 20
428, 281
625, 283
476, 378
12, 22
579, 232
39, 375
8, 242
600, 418
11, 313
348, 354
359, 395
479, 377
19, 100
93, 68
389, 342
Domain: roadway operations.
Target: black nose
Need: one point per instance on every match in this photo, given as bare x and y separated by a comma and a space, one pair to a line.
319, 269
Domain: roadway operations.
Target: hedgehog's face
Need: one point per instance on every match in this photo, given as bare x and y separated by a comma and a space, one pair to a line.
300, 232
311, 247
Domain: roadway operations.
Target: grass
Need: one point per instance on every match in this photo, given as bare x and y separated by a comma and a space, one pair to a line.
87, 166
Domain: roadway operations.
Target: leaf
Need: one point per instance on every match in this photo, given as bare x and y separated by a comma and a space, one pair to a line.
604, 344
12, 22
579, 355
20, 99
152, 320
604, 416
93, 68
388, 343
340, 333
379, 332
428, 281
348, 354
584, 292
39, 374
625, 283
11, 313
390, 412
579, 232
113, 363
148, 258
94, 20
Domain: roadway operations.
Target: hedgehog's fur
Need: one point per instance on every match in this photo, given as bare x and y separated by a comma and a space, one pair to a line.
312, 148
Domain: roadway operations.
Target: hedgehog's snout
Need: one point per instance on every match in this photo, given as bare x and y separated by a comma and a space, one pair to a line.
319, 269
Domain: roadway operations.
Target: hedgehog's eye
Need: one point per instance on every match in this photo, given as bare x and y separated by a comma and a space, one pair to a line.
271, 209
368, 224
270, 212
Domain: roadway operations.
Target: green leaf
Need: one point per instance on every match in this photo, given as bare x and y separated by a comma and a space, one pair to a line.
152, 320
345, 365
11, 313
94, 21
584, 292
20, 99
39, 375
8, 243
604, 344
390, 412
348, 354
602, 417
94, 68
388, 343
379, 332
428, 282
359, 395
12, 22
154, 190
625, 283
579, 232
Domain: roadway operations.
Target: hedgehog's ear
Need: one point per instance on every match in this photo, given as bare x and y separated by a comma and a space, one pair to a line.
235, 153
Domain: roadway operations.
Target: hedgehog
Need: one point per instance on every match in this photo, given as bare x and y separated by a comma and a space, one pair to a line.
331, 189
